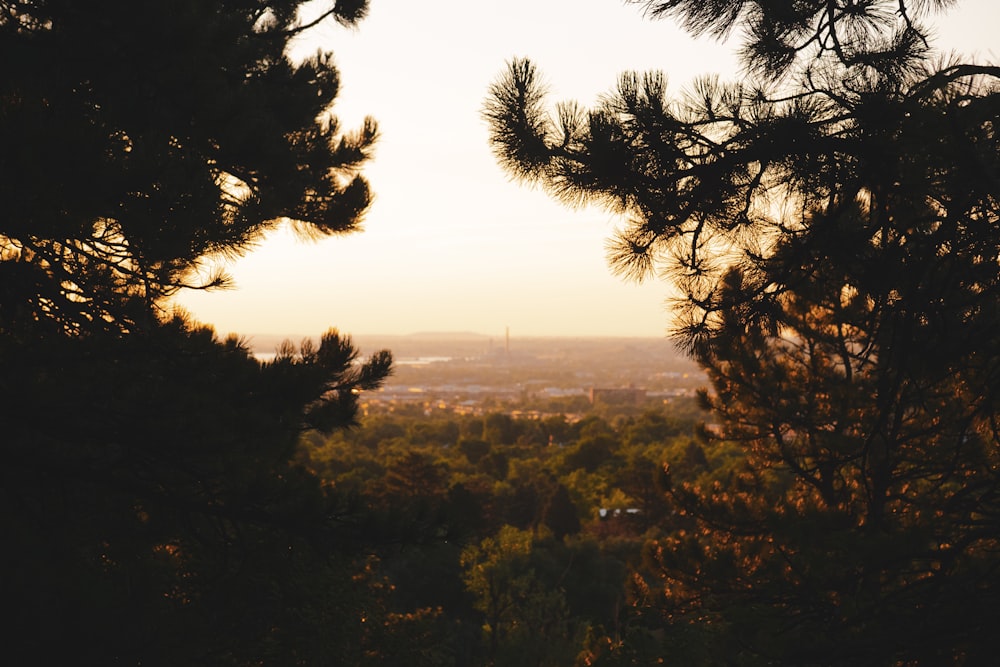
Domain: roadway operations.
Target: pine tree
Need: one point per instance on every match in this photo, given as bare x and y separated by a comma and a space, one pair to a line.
153, 513
137, 143
831, 224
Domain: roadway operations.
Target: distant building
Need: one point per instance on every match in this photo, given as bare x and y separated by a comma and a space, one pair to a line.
618, 395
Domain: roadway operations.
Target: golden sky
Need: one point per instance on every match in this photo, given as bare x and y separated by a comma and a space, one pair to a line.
450, 243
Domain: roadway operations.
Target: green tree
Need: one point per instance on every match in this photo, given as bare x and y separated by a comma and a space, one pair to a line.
590, 453
473, 450
832, 226
499, 429
150, 494
560, 514
415, 476
525, 617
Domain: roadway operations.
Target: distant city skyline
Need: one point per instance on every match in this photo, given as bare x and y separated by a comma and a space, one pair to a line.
450, 243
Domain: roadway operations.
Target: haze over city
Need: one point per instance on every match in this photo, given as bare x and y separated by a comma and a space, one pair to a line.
451, 244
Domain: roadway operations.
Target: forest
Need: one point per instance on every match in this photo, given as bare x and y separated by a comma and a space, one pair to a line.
524, 538
828, 223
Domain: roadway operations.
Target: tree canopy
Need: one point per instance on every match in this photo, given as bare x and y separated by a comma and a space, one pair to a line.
831, 224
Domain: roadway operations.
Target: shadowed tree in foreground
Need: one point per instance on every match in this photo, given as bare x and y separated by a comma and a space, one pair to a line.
151, 512
138, 143
831, 225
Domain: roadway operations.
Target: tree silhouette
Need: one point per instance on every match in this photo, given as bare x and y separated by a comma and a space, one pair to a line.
137, 143
831, 224
150, 500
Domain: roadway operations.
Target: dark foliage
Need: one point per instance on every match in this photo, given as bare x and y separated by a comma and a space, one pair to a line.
152, 511
832, 225
151, 508
137, 141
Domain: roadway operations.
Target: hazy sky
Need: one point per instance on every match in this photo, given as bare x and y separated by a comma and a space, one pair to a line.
450, 243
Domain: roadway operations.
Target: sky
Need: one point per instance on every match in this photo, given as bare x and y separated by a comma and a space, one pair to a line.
450, 243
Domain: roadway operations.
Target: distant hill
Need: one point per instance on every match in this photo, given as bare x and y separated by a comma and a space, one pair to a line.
566, 350
439, 335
